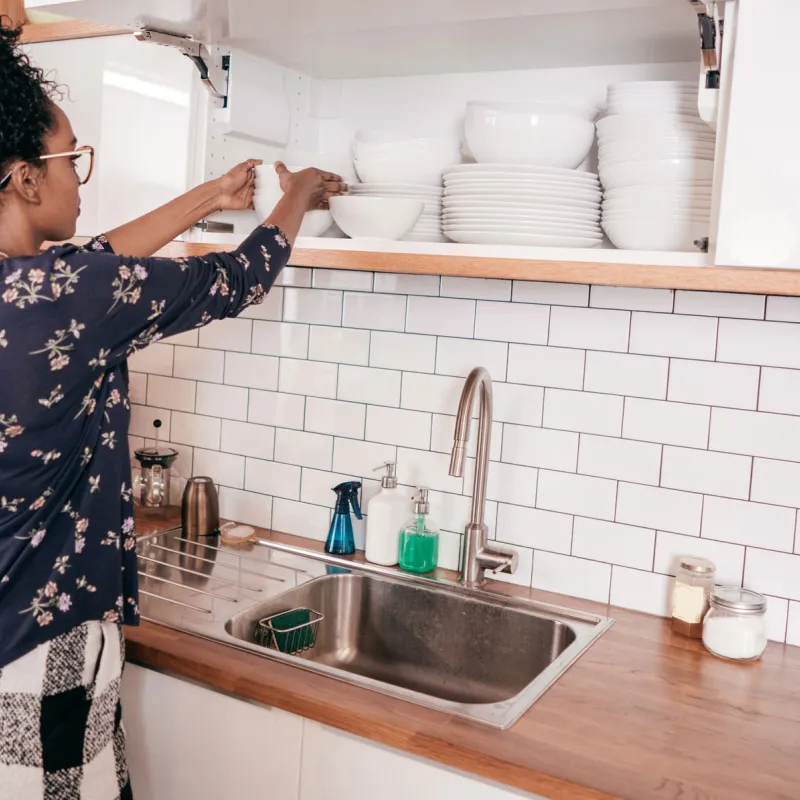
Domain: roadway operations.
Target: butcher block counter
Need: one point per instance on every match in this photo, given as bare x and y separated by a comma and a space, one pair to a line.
644, 714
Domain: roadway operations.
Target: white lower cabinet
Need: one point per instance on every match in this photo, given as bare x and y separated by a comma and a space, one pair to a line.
190, 743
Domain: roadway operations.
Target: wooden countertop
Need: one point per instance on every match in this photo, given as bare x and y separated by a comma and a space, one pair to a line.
643, 715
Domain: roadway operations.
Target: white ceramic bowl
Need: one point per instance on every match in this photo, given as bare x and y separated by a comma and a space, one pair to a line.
651, 125
529, 133
315, 223
636, 173
623, 152
656, 233
375, 217
423, 169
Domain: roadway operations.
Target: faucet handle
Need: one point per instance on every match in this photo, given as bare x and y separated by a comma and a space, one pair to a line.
502, 558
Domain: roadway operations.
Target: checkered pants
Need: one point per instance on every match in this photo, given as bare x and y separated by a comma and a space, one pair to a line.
61, 736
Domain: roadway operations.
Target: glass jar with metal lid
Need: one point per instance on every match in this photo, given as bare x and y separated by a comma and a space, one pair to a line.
694, 583
735, 626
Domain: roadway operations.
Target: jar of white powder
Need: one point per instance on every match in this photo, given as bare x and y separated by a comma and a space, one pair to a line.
694, 583
736, 626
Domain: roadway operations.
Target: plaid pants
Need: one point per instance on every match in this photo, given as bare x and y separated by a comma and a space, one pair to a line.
61, 735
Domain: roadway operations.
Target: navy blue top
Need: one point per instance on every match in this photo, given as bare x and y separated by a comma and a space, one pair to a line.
69, 319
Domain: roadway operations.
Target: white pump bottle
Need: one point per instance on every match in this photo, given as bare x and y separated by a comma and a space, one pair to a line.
387, 513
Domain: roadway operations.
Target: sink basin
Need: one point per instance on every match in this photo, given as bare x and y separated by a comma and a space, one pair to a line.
468, 652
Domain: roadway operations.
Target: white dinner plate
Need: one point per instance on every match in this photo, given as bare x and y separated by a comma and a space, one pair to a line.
512, 177
534, 185
541, 230
521, 239
582, 204
479, 221
518, 169
568, 212
397, 188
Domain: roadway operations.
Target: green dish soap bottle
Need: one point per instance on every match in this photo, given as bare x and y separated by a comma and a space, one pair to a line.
419, 541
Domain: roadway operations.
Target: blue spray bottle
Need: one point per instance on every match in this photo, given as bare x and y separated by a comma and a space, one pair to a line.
340, 536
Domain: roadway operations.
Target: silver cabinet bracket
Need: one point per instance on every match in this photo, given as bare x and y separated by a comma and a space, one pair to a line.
214, 74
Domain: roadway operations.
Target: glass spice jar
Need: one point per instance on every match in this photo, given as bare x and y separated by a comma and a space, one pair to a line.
694, 583
735, 626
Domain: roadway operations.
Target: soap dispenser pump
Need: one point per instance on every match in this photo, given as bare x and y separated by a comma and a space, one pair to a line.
419, 540
387, 512
340, 536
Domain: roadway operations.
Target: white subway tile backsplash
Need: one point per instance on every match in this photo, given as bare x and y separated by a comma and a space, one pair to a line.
294, 276
142, 418
756, 524
663, 509
434, 393
423, 468
556, 294
520, 404
246, 507
405, 351
340, 345
199, 364
335, 417
576, 494
194, 430
558, 367
589, 328
300, 519
553, 572
630, 299
316, 486
227, 402
532, 527
540, 447
276, 408
156, 359
223, 468
227, 334
269, 477
308, 377
440, 316
508, 483
783, 309
621, 373
247, 439
793, 624
728, 385
668, 423
270, 308
780, 391
770, 344
475, 288
641, 591
583, 411
255, 372
512, 322
613, 543
378, 312
280, 339
706, 471
622, 459
755, 433
772, 573
171, 393
673, 335
353, 457
314, 306
368, 385
720, 304
342, 279
460, 356
185, 339
304, 449
777, 612
137, 387
727, 558
406, 284
398, 426
776, 482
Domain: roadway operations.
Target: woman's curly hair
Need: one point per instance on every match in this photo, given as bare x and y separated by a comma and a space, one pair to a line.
26, 107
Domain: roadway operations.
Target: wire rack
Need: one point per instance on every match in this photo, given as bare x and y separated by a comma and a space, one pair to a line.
291, 632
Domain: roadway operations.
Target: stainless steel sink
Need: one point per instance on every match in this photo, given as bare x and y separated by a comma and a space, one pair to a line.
469, 652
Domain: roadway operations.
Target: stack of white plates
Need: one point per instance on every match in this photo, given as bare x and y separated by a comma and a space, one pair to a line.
522, 205
429, 225
656, 160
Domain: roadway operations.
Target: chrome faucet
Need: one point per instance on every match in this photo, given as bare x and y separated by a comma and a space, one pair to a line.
477, 555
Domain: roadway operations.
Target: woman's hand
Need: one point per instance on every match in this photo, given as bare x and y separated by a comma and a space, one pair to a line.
315, 186
236, 188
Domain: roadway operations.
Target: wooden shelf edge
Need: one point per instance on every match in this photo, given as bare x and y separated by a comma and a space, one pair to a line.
69, 29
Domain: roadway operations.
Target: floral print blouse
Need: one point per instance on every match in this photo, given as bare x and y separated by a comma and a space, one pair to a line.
69, 319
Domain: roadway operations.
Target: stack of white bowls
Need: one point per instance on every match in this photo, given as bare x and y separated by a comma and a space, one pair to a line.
656, 160
526, 205
392, 167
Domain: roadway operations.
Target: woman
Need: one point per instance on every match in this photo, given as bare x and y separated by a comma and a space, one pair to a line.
69, 319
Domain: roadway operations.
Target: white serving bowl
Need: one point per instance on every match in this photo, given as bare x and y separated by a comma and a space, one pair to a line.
625, 152
656, 233
529, 133
376, 217
677, 189
315, 223
651, 125
424, 169
617, 174
654, 105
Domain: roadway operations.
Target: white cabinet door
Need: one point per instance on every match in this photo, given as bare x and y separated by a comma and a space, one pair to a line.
760, 202
190, 743
337, 766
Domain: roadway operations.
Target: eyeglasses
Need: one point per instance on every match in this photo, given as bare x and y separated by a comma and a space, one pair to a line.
82, 162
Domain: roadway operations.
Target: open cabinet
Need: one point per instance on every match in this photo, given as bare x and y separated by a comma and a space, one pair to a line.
309, 75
